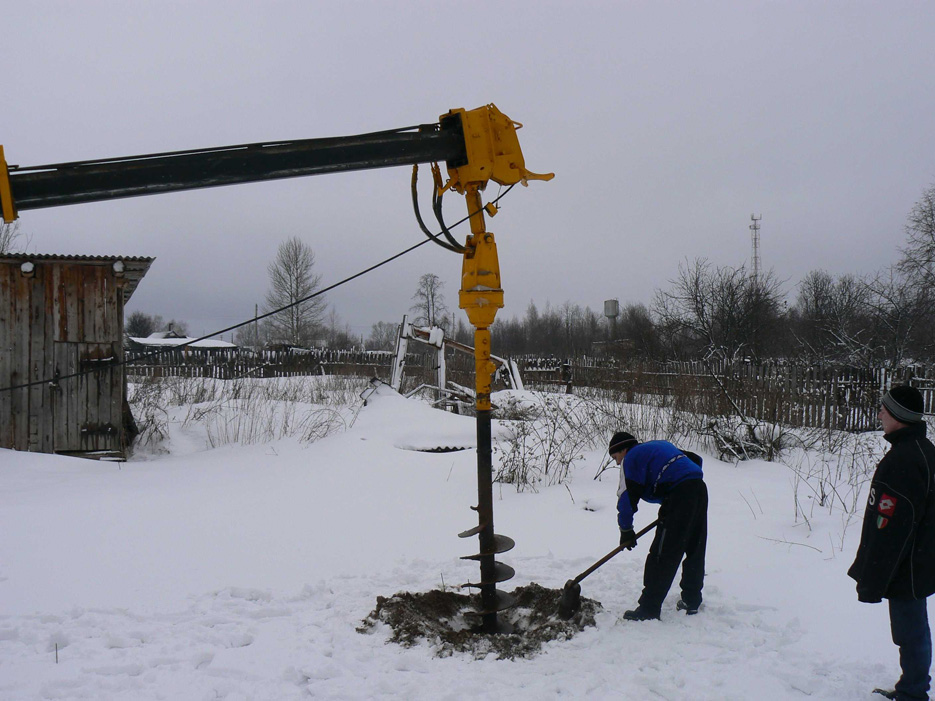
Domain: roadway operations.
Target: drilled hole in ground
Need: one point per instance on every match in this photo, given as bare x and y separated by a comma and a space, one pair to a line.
446, 621
442, 449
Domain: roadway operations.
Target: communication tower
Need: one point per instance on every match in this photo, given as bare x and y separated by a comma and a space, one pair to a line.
755, 232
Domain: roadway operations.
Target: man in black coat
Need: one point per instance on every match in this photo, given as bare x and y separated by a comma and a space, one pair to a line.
896, 556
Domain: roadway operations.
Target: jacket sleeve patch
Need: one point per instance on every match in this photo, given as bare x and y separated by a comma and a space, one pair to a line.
881, 522
887, 505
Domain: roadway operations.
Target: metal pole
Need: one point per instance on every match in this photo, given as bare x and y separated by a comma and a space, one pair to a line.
481, 297
485, 512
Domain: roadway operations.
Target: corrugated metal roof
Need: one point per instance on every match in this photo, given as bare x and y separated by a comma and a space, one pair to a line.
135, 267
71, 257
151, 342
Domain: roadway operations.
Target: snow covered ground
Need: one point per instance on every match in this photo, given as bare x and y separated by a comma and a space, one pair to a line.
242, 572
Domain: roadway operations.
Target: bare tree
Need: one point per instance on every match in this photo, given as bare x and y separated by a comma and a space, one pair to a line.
721, 312
900, 309
9, 237
639, 331
140, 324
339, 334
382, 336
333, 327
460, 330
430, 305
830, 318
919, 254
292, 282
252, 335
570, 317
548, 333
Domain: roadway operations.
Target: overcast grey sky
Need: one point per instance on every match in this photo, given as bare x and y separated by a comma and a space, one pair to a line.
667, 125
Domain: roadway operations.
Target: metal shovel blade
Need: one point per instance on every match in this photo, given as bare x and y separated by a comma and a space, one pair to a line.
570, 602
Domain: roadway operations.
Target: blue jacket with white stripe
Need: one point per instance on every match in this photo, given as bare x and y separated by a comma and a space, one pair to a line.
648, 472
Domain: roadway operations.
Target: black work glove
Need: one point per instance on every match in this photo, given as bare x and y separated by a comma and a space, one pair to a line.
867, 598
627, 538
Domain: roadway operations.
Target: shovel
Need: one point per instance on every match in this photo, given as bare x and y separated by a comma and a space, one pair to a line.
571, 596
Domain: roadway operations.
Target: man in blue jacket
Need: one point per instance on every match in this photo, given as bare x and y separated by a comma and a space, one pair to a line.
660, 473
896, 556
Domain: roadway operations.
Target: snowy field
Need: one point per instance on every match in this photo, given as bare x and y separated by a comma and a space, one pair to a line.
242, 572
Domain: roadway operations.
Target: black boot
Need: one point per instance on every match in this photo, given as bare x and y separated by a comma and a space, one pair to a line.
682, 606
641, 614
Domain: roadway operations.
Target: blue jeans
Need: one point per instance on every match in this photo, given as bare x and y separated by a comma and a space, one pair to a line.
909, 623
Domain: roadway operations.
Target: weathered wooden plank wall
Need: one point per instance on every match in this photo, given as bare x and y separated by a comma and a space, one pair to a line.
64, 318
20, 358
7, 326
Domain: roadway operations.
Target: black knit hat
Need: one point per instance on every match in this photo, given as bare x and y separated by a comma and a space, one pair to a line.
905, 404
621, 441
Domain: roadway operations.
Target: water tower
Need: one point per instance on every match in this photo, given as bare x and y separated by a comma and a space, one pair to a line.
612, 311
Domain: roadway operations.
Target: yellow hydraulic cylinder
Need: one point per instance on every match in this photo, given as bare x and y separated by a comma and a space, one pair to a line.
481, 295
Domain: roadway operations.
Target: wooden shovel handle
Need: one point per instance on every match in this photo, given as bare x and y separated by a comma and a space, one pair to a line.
614, 552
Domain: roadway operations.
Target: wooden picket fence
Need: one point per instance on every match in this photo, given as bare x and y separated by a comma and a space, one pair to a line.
843, 398
234, 363
822, 397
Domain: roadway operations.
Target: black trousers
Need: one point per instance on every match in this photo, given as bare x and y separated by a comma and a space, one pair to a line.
682, 532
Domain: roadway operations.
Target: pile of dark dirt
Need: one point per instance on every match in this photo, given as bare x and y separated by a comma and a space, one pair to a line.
449, 622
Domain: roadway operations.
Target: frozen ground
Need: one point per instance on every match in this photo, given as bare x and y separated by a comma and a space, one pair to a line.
243, 572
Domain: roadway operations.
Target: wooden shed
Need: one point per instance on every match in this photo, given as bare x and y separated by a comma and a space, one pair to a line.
62, 387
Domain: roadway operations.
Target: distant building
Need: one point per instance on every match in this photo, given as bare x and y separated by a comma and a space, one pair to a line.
62, 379
173, 339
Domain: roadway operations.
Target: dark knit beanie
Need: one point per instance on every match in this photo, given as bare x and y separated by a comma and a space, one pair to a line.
905, 404
621, 441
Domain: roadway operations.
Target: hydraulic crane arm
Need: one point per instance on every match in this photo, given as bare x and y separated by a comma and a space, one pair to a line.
93, 181
481, 142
